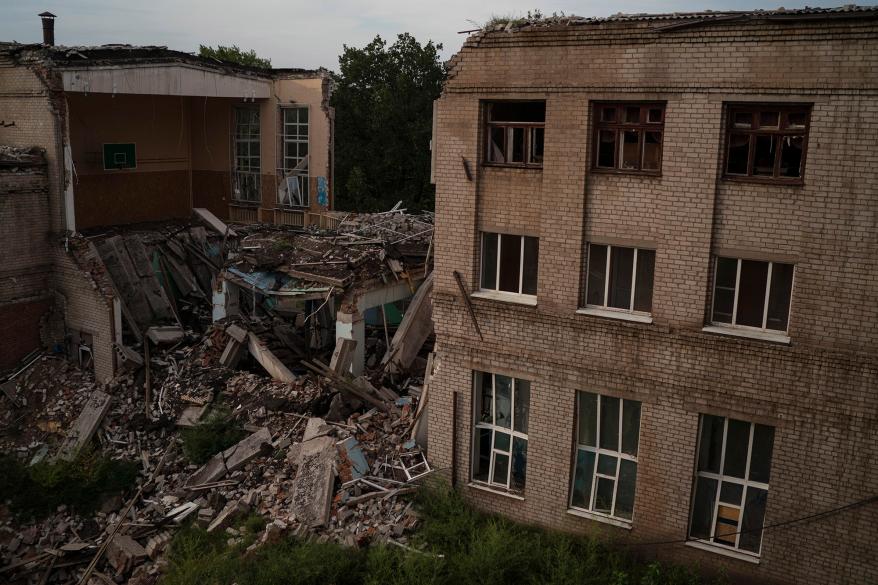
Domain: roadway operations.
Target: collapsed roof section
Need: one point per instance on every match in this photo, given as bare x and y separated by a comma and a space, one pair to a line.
289, 284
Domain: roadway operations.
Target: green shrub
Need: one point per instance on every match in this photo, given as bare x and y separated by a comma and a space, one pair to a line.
459, 545
217, 432
81, 484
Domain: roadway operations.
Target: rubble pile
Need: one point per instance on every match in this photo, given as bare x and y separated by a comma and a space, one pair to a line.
320, 452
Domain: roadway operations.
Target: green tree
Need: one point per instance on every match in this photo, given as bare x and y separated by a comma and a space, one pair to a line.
234, 54
383, 101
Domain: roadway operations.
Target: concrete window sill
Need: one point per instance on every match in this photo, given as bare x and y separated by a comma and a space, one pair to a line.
726, 552
506, 297
499, 492
611, 314
774, 337
600, 518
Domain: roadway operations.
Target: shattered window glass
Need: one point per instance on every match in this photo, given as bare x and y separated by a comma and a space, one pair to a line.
500, 440
767, 142
515, 133
728, 508
604, 476
628, 137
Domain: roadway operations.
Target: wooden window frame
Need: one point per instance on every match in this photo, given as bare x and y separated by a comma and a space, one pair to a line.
643, 125
757, 130
508, 127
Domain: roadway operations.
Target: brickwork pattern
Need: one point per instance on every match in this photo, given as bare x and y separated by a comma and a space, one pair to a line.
818, 392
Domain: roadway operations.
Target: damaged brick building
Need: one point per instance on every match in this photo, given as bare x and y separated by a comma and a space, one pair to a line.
133, 134
655, 288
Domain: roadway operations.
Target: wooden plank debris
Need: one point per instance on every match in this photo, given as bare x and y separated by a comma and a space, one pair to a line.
323, 279
86, 425
275, 368
469, 304
232, 459
237, 333
313, 487
413, 331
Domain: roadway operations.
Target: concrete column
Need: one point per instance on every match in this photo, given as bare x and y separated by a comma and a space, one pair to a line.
225, 300
353, 326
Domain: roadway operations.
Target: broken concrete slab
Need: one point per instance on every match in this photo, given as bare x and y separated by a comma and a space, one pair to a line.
228, 515
232, 354
413, 331
275, 368
343, 355
232, 458
123, 553
86, 425
313, 487
213, 221
237, 333
315, 427
164, 334
190, 416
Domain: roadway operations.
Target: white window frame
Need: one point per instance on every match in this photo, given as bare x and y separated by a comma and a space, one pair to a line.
489, 292
248, 174
513, 434
294, 169
720, 479
598, 451
733, 325
606, 307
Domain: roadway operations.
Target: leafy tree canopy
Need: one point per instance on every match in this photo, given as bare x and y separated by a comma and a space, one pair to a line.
383, 101
235, 55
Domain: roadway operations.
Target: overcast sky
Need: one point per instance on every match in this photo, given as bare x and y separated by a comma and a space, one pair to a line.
299, 33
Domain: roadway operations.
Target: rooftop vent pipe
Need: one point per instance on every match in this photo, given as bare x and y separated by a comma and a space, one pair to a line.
48, 28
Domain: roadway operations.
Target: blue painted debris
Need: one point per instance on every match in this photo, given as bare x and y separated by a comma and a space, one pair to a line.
351, 451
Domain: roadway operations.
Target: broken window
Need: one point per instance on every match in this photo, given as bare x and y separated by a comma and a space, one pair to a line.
605, 465
619, 278
293, 190
752, 293
628, 137
510, 263
515, 133
247, 157
502, 406
731, 483
767, 142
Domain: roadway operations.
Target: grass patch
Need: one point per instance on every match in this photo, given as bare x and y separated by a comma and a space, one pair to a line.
218, 431
477, 549
81, 484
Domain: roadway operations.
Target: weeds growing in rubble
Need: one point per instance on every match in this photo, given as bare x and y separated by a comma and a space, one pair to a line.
460, 545
218, 431
81, 484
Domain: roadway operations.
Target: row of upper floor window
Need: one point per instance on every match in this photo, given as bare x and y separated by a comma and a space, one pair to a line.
749, 297
730, 480
762, 142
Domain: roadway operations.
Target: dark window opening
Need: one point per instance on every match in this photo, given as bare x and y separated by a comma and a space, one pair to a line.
767, 142
516, 133
628, 137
